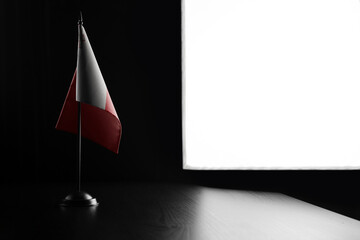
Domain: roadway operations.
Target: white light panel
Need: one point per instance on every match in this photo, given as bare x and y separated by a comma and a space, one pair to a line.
271, 84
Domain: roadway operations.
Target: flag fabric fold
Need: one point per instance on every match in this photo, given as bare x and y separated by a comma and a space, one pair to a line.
99, 120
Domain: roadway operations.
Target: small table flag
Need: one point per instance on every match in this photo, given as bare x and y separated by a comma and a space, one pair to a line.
99, 120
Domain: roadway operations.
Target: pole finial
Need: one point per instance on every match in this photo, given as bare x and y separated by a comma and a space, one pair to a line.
80, 22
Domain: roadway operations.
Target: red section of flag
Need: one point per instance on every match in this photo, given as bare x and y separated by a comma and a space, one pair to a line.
98, 125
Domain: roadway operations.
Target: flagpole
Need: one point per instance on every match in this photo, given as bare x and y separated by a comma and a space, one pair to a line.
80, 23
79, 148
79, 198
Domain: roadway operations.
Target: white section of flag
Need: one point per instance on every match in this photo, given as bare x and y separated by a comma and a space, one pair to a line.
90, 84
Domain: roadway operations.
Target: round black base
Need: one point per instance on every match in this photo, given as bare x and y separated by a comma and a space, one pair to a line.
79, 199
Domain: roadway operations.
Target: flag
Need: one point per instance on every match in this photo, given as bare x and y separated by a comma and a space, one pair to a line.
99, 120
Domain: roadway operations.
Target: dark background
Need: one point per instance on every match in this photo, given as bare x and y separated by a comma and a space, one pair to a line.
138, 47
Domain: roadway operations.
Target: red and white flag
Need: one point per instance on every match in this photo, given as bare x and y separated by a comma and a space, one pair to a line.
99, 120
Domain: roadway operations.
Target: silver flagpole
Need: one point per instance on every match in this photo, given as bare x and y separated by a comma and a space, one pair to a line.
79, 148
80, 23
79, 198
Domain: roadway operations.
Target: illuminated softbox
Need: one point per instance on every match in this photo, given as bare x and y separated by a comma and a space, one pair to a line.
271, 84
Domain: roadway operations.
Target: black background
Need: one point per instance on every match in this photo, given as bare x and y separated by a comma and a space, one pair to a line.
138, 48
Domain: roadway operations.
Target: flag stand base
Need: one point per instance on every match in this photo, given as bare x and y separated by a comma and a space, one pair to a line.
79, 199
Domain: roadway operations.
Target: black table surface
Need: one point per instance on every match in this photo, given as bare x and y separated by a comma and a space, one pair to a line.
166, 211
